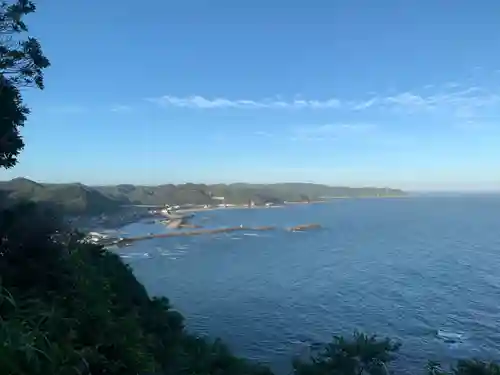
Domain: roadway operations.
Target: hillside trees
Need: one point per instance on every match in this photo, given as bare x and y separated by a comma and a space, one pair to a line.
22, 63
71, 308
68, 307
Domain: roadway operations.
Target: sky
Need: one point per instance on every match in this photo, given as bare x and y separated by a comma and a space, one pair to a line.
347, 92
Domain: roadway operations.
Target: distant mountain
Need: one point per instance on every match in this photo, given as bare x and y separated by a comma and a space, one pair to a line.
239, 193
68, 198
162, 194
77, 198
294, 192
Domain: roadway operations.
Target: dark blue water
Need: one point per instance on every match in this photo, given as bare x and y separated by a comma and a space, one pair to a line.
405, 268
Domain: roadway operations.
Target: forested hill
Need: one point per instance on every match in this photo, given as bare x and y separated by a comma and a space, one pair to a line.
67, 198
239, 193
77, 198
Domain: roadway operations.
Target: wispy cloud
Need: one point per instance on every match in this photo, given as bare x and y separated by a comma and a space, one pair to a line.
67, 109
329, 131
447, 97
261, 133
323, 132
121, 108
201, 102
359, 106
450, 101
473, 125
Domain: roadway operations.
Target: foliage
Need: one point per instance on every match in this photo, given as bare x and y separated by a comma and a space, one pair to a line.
73, 199
21, 64
67, 307
361, 355
81, 199
465, 367
21, 60
13, 117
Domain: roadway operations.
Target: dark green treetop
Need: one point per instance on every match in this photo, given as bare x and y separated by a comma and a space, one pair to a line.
21, 65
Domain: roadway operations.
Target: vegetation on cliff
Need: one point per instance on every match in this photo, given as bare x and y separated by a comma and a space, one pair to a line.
239, 193
71, 199
77, 198
68, 307
74, 308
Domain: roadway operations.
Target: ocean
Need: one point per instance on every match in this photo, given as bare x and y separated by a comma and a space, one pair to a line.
422, 270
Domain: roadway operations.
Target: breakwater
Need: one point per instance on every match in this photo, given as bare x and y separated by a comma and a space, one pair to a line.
198, 232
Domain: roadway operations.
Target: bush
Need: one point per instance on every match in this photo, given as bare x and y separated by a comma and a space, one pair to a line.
69, 307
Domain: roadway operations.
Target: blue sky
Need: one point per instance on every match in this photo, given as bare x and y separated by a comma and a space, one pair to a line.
345, 92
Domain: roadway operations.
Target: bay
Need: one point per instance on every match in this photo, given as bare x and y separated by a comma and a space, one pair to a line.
423, 270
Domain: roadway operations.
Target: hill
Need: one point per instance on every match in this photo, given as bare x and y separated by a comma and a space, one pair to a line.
77, 198
68, 198
163, 194
239, 193
294, 192
56, 289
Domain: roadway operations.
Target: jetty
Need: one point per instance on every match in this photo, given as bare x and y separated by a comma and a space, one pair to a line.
176, 216
198, 232
303, 227
179, 223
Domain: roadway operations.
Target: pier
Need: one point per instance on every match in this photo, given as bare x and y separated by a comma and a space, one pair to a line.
198, 232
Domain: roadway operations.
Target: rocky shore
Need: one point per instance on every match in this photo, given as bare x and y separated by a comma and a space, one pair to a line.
297, 228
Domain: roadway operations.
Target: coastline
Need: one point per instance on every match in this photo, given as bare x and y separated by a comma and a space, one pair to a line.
243, 207
296, 228
283, 205
235, 207
123, 218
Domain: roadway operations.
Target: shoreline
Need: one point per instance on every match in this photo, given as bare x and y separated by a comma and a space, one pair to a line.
113, 223
123, 242
282, 205
236, 207
243, 207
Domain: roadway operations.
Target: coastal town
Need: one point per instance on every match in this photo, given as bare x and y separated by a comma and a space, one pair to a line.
100, 210
178, 217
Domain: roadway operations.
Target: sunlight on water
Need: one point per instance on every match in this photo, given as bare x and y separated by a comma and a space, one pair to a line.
422, 270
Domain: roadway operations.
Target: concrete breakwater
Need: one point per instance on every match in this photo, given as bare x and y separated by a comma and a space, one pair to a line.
299, 228
179, 224
198, 232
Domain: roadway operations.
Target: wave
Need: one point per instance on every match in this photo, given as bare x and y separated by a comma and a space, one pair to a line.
450, 337
135, 255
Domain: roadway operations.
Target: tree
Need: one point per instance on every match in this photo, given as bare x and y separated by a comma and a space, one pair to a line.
359, 355
21, 65
465, 367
